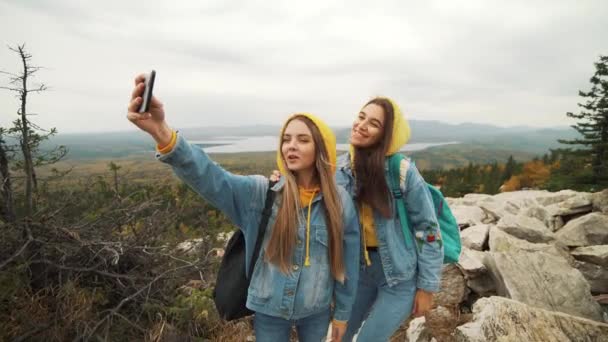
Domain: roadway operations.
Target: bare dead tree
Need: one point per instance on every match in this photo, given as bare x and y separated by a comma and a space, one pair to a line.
22, 124
114, 168
26, 130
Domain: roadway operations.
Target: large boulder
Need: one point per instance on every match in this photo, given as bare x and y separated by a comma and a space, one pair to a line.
548, 198
471, 263
468, 215
544, 281
524, 227
546, 215
594, 254
496, 209
479, 280
597, 276
502, 319
538, 212
570, 209
467, 200
599, 201
579, 204
474, 199
475, 237
500, 241
588, 230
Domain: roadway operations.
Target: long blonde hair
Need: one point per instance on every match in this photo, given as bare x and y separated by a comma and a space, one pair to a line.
279, 250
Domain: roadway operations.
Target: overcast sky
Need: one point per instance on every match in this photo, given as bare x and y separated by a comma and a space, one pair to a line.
229, 63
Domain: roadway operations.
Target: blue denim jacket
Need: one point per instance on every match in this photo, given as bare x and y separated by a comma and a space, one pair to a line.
304, 291
398, 262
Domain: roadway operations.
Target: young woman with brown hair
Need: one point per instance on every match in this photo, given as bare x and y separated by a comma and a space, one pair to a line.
396, 279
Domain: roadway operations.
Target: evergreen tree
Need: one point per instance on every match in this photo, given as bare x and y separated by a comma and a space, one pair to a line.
593, 124
510, 169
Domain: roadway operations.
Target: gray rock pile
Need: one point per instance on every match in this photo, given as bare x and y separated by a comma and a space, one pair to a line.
534, 267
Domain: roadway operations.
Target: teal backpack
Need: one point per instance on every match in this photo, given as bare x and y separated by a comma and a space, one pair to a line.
450, 232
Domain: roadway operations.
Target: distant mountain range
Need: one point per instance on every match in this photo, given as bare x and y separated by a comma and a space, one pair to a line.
526, 140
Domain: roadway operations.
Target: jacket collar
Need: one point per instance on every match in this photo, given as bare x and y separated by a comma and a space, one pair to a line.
278, 187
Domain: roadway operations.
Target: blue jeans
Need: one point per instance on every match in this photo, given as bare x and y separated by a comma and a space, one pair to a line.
379, 307
276, 329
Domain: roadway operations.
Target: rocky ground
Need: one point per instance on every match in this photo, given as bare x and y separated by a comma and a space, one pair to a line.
534, 267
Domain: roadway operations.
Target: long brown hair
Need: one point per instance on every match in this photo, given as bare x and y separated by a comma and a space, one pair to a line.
279, 250
371, 187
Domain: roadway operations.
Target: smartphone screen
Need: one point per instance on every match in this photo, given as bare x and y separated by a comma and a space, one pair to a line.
147, 95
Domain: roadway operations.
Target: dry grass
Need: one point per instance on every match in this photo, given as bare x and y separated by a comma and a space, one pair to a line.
233, 332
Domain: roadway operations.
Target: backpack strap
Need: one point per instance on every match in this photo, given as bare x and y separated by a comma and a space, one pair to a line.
394, 171
262, 228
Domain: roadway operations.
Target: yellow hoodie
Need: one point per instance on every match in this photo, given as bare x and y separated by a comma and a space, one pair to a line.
307, 195
401, 135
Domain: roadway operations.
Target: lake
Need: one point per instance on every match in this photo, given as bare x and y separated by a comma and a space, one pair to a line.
270, 143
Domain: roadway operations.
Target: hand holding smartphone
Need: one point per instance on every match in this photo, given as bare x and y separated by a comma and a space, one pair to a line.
147, 95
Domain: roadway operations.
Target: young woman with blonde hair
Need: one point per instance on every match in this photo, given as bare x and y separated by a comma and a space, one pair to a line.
310, 254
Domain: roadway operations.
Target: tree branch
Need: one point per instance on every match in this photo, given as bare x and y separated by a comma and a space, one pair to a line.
125, 300
88, 269
16, 254
11, 89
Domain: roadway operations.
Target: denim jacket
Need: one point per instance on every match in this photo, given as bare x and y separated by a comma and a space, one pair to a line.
305, 290
399, 263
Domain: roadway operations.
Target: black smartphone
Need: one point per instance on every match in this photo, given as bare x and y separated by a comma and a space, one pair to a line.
147, 95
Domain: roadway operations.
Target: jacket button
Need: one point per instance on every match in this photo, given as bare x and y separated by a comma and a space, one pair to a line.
295, 267
299, 242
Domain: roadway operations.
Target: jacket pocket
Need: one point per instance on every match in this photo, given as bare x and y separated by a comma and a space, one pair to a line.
261, 284
404, 259
316, 286
320, 246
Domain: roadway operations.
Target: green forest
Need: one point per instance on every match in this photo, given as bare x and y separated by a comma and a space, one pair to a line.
97, 251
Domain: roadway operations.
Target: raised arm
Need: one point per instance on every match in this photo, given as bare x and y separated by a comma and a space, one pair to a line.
234, 195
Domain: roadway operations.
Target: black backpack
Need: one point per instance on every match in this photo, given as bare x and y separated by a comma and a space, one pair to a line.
230, 292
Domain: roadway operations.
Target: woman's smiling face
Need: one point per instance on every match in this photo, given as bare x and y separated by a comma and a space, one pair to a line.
368, 127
